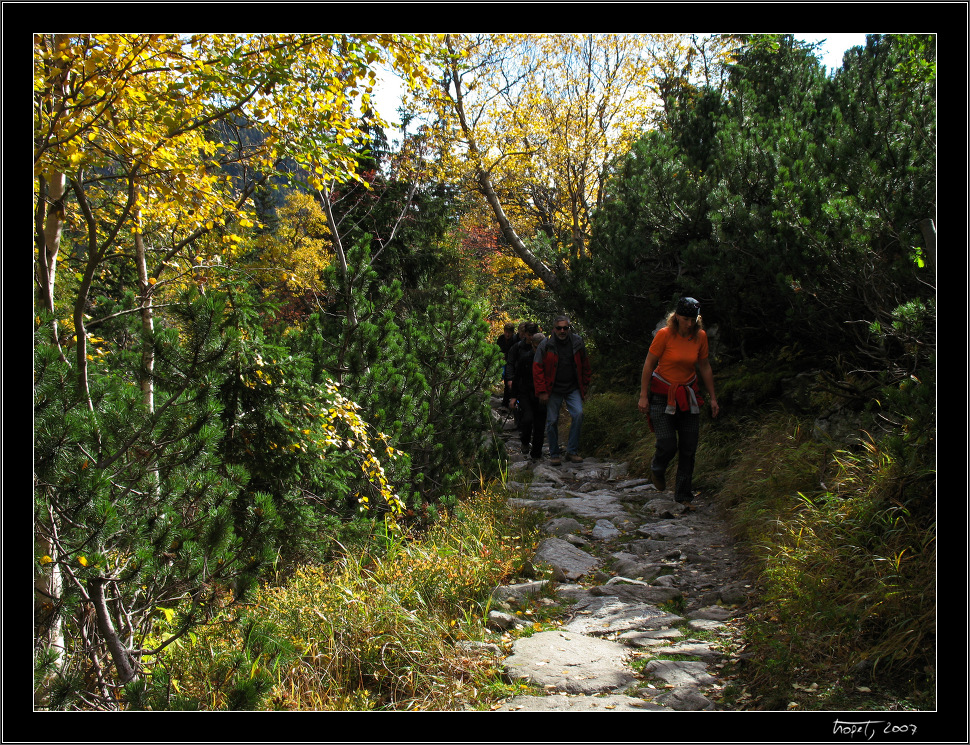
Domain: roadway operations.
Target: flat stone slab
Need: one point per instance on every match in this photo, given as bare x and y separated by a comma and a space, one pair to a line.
592, 505
571, 561
612, 615
680, 673
633, 483
704, 624
633, 566
570, 662
562, 526
650, 638
693, 649
542, 472
664, 531
644, 546
615, 702
602, 472
686, 698
636, 593
604, 530
711, 613
518, 592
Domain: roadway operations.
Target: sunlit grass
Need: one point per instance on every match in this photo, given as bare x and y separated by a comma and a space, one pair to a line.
377, 630
845, 566
841, 554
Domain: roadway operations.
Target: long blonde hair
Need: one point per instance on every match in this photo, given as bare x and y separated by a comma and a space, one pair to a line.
698, 324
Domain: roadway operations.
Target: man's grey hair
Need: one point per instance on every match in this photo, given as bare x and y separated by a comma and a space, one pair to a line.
557, 319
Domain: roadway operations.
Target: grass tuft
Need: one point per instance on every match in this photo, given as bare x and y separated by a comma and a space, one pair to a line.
374, 630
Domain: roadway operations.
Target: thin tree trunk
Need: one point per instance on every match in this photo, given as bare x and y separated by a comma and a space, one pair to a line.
48, 584
49, 215
338, 247
50, 223
484, 180
106, 628
539, 268
147, 318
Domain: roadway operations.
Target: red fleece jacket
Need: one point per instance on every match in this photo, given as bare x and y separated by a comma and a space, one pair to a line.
546, 360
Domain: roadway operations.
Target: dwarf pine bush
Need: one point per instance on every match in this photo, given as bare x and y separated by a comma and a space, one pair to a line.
373, 629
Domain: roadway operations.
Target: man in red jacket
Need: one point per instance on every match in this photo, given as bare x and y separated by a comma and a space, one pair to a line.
561, 373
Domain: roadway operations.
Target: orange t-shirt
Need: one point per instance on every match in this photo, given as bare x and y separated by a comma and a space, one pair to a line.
678, 355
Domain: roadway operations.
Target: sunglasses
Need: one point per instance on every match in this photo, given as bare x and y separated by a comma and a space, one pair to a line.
562, 328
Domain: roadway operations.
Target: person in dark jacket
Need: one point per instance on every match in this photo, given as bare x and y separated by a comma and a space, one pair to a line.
522, 340
505, 342
532, 412
562, 374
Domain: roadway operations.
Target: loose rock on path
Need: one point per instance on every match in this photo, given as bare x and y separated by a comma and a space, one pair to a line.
650, 591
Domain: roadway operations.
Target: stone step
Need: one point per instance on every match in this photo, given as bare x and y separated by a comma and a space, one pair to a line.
659, 556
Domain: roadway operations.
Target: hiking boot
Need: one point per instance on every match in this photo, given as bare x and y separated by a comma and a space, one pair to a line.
659, 482
555, 460
574, 457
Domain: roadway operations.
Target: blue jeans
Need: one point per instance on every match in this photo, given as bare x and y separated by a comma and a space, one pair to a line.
574, 405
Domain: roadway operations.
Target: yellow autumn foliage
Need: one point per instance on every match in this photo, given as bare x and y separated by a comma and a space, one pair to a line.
300, 248
542, 115
133, 133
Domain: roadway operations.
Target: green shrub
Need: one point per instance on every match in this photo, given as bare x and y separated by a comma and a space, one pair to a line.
374, 629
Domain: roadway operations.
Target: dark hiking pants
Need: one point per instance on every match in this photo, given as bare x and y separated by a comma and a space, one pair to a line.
532, 424
677, 434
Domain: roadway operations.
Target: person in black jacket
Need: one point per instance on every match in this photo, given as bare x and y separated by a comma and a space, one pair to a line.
522, 340
505, 342
532, 411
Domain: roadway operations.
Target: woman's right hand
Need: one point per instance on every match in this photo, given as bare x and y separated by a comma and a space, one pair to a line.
643, 405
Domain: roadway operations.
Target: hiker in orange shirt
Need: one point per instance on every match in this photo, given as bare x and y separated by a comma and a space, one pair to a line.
670, 395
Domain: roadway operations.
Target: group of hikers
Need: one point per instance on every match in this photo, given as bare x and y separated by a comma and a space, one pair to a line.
541, 373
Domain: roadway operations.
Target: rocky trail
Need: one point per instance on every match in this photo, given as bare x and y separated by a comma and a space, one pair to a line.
650, 593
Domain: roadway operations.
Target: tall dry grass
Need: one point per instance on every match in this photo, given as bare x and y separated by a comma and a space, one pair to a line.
376, 629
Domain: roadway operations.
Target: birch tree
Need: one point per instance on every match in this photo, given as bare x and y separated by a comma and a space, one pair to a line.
532, 121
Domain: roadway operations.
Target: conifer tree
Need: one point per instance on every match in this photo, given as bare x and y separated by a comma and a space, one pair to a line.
418, 372
450, 341
787, 205
135, 505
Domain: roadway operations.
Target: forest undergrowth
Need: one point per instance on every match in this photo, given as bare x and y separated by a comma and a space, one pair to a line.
261, 329
380, 627
843, 561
